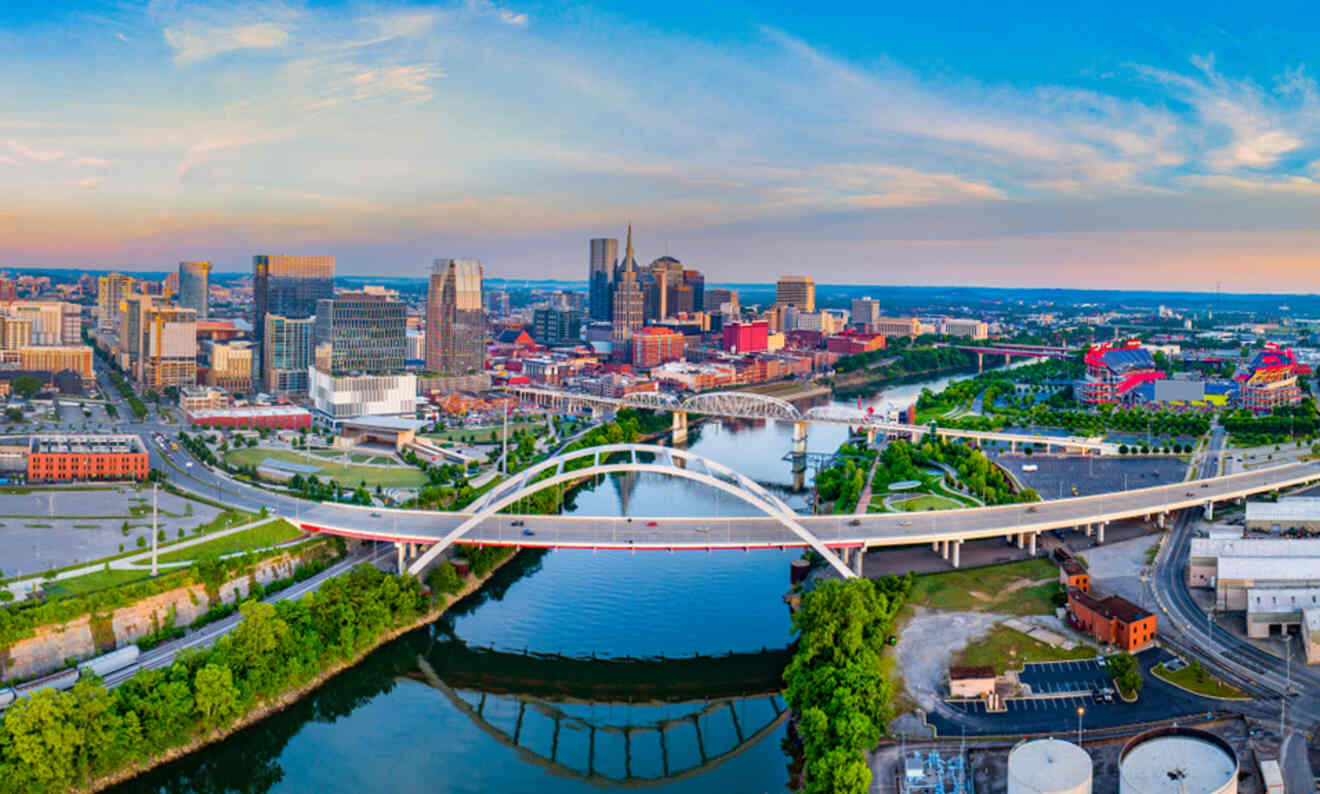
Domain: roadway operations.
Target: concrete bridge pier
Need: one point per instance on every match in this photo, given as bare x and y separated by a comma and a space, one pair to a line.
1088, 529
679, 427
1160, 519
1021, 540
1209, 510
1008, 359
935, 547
870, 436
857, 561
1100, 532
799, 438
1033, 543
980, 362
944, 549
403, 560
957, 545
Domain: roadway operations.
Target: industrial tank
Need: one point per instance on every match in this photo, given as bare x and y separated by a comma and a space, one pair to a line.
1049, 766
1177, 761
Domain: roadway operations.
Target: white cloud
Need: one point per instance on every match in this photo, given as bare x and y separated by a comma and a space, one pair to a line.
7, 160
191, 45
514, 18
32, 153
91, 162
91, 183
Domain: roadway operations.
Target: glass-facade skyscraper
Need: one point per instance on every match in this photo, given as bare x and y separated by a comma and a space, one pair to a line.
600, 278
455, 323
195, 287
287, 353
360, 333
288, 286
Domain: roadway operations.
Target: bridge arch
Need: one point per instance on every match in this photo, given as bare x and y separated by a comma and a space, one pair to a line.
667, 460
748, 405
651, 399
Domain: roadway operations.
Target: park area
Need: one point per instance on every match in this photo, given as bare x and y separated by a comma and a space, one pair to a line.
349, 475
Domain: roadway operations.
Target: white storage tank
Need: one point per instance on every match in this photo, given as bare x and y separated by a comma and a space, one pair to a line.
1049, 766
1177, 761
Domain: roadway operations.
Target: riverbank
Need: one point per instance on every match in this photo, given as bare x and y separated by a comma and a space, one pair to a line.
266, 709
867, 382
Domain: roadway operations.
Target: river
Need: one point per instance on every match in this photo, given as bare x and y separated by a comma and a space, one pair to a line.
569, 672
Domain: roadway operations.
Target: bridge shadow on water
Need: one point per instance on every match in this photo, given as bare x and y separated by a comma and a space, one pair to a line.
613, 722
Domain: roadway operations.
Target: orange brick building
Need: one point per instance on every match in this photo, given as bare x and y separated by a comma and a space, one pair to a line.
86, 457
1113, 619
1071, 573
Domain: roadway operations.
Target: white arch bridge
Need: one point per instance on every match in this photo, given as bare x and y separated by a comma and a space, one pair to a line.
422, 534
611, 458
751, 405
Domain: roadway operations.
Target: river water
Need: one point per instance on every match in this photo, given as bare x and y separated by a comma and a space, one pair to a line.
570, 671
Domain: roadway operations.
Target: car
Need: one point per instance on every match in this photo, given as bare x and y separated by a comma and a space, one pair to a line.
905, 523
1205, 485
528, 532
1031, 509
652, 524
703, 529
856, 522
519, 523
374, 514
1190, 493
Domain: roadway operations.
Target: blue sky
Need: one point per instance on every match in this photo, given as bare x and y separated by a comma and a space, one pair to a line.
955, 143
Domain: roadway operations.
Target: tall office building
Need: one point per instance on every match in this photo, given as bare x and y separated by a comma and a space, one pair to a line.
629, 304
357, 332
716, 301
288, 286
600, 277
169, 348
455, 325
865, 312
797, 291
195, 287
695, 280
286, 352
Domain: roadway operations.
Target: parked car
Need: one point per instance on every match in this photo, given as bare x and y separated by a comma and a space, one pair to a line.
652, 524
519, 523
856, 522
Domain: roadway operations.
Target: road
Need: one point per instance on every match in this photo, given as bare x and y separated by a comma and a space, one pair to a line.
1232, 657
163, 655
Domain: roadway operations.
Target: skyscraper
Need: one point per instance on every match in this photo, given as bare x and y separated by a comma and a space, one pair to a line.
195, 287
110, 291
797, 291
286, 351
361, 333
288, 286
629, 303
455, 324
600, 277
695, 280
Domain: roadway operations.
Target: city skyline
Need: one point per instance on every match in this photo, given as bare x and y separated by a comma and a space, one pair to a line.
1063, 151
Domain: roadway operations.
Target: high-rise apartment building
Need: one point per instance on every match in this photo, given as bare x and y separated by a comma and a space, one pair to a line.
286, 352
52, 322
695, 280
600, 278
357, 332
195, 287
110, 292
288, 286
552, 327
797, 291
170, 285
455, 325
629, 303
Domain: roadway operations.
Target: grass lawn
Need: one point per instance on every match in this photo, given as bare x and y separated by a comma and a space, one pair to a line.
347, 476
225, 520
1003, 648
259, 537
1204, 684
90, 583
1015, 588
928, 502
481, 434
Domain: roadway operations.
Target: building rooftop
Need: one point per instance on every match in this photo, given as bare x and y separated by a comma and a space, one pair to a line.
964, 673
1219, 548
86, 444
1281, 599
1292, 508
1112, 607
395, 423
1269, 569
249, 410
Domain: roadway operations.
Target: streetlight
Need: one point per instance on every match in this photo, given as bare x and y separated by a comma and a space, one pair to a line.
1080, 711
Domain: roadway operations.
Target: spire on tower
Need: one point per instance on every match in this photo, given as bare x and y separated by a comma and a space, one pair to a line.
628, 257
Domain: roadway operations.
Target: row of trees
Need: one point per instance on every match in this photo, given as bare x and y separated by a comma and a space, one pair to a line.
138, 407
835, 682
842, 483
56, 741
910, 360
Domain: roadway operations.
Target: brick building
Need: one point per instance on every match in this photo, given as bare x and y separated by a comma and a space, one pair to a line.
1112, 619
80, 457
652, 347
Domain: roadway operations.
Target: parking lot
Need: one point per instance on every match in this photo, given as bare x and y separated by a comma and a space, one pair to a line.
1056, 476
1075, 676
1158, 700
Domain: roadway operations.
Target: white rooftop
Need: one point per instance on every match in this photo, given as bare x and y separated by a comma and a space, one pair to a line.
1050, 765
1270, 569
1293, 508
1255, 547
1176, 765
1281, 599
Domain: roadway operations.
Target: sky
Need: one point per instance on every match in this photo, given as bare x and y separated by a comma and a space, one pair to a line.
968, 143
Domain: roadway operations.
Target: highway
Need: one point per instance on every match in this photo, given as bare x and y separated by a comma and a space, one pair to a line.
1238, 660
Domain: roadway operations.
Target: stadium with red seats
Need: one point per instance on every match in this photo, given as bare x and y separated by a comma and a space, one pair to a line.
1113, 370
1269, 379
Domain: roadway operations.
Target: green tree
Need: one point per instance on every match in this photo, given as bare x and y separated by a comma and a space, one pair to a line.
25, 386
41, 735
1124, 670
217, 699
